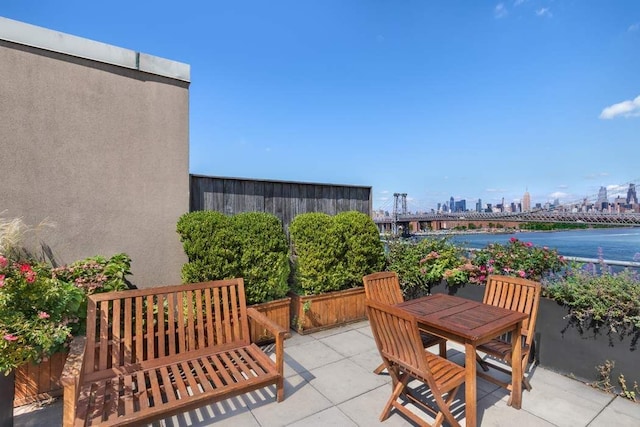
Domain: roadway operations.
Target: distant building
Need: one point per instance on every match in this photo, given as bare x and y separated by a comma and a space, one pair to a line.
452, 206
479, 205
526, 202
460, 206
602, 203
632, 199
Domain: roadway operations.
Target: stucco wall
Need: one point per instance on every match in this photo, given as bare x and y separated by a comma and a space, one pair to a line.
100, 151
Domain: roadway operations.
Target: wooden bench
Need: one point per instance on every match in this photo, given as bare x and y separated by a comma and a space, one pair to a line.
151, 353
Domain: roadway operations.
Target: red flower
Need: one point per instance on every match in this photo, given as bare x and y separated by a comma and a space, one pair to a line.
25, 268
10, 337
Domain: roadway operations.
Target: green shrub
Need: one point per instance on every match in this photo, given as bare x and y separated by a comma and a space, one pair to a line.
600, 298
427, 262
264, 256
251, 245
334, 252
315, 255
210, 243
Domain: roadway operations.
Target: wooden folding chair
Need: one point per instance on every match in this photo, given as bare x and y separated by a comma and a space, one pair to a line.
398, 339
384, 287
515, 294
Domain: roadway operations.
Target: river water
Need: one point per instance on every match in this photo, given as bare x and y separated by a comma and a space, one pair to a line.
620, 244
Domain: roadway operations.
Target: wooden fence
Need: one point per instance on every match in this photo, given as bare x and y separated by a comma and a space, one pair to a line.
284, 199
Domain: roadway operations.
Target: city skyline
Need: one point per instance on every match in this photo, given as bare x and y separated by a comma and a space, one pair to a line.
611, 195
467, 99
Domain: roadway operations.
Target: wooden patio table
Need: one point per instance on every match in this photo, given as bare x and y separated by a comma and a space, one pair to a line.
471, 323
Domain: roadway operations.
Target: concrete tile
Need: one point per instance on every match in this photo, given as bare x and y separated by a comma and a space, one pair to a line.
301, 400
369, 361
332, 331
563, 401
310, 355
350, 343
329, 417
343, 380
620, 412
297, 339
493, 412
365, 409
36, 415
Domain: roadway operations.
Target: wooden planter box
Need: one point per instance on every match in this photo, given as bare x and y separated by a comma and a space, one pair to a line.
278, 311
317, 312
38, 382
561, 346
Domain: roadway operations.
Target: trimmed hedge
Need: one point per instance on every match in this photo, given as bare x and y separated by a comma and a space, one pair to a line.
333, 253
251, 245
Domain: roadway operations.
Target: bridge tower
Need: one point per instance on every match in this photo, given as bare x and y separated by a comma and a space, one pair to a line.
399, 208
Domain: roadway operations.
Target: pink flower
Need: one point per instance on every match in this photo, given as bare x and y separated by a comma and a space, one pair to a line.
521, 273
490, 269
513, 240
30, 276
43, 315
25, 268
528, 244
10, 337
1, 280
3, 262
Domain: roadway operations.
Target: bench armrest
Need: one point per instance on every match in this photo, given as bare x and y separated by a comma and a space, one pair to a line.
280, 334
71, 379
269, 324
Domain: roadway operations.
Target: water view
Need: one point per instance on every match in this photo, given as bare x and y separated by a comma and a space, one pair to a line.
622, 244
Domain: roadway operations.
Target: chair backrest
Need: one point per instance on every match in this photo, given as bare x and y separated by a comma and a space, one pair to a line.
383, 287
142, 325
398, 337
516, 294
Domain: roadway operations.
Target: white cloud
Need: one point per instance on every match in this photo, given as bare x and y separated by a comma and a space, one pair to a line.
495, 190
558, 195
614, 188
544, 12
624, 109
634, 27
500, 11
519, 2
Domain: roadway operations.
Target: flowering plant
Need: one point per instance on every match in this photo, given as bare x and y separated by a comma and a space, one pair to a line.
37, 312
516, 258
426, 263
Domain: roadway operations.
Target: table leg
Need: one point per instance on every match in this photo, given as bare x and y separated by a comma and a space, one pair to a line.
515, 400
470, 389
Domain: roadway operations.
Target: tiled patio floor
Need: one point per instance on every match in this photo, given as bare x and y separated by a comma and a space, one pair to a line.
329, 382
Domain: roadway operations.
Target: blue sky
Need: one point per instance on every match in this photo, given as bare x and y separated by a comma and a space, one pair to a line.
470, 99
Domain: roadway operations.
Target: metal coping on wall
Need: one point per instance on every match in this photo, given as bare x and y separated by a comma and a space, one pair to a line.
46, 39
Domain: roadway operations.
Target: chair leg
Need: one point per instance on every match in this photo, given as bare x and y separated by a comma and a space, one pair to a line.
443, 349
397, 391
444, 410
484, 365
379, 369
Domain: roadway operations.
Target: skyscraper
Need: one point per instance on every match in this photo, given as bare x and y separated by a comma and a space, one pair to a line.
631, 195
602, 201
526, 202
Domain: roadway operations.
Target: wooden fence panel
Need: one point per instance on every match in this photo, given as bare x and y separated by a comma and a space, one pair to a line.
282, 198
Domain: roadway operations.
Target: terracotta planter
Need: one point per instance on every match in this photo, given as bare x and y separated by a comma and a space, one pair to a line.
277, 311
36, 382
313, 313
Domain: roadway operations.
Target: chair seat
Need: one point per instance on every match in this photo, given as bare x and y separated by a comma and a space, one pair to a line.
429, 340
446, 374
500, 348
